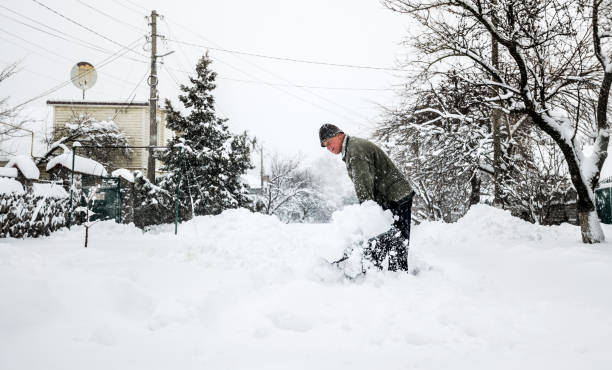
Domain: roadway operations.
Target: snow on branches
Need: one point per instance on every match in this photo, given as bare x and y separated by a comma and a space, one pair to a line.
554, 57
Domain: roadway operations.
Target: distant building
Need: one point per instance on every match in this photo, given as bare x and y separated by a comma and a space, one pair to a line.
131, 118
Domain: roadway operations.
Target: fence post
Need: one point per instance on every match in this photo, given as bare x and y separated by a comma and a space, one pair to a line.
178, 187
71, 186
119, 197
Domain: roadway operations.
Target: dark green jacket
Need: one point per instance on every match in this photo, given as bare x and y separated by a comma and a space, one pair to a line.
374, 175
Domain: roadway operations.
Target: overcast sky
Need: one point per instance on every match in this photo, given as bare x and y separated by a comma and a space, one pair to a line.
252, 92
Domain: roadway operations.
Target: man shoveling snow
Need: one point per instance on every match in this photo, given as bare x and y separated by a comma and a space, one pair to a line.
375, 178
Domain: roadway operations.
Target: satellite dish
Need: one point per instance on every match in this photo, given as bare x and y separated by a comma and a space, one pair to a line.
83, 75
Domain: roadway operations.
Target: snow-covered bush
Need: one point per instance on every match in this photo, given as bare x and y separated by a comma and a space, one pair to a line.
30, 215
153, 205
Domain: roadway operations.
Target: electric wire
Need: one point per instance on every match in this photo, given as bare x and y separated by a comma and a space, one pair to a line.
120, 3
277, 86
329, 101
100, 65
286, 59
51, 52
78, 42
137, 5
333, 103
181, 49
55, 79
131, 26
292, 85
132, 94
338, 114
309, 86
287, 92
84, 27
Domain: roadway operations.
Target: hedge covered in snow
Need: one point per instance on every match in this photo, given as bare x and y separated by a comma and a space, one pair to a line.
30, 215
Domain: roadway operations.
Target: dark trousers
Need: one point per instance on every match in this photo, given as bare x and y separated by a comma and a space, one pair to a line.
394, 242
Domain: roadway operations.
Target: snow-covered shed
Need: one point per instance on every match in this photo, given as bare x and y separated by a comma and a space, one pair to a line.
25, 166
82, 165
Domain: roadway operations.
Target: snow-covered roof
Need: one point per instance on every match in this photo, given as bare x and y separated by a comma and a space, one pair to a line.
81, 164
49, 190
125, 173
26, 165
8, 172
86, 102
8, 186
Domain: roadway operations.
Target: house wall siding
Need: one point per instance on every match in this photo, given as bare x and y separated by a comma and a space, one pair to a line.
133, 120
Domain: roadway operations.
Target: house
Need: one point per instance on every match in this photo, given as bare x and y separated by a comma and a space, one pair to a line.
132, 118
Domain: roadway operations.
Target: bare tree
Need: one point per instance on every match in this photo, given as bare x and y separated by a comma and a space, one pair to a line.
6, 112
10, 122
292, 192
555, 67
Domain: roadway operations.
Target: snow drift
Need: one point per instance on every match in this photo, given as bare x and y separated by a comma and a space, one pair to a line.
245, 291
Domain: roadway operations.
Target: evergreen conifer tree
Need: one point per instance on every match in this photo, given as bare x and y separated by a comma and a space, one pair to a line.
212, 158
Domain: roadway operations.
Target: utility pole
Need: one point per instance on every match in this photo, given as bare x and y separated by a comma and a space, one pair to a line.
153, 99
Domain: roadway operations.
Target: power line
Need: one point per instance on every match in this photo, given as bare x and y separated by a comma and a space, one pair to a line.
78, 42
290, 85
286, 59
128, 8
100, 65
181, 49
84, 27
33, 44
51, 52
111, 16
137, 5
307, 86
275, 87
282, 89
133, 94
55, 79
352, 111
290, 93
47, 32
284, 79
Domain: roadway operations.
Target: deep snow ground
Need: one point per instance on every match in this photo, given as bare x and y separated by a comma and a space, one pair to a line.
244, 291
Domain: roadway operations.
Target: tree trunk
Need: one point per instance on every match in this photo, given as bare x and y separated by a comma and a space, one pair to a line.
475, 181
86, 235
590, 228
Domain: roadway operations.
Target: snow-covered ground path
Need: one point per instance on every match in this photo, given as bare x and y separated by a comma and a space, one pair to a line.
244, 291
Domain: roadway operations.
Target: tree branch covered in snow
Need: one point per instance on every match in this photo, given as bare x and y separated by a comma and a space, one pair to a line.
90, 132
293, 192
549, 69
